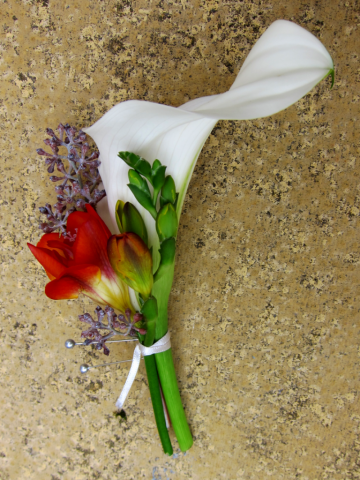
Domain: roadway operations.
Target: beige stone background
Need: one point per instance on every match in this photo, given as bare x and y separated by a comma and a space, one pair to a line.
264, 310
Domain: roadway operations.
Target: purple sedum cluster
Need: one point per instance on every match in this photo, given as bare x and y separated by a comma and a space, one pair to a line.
78, 174
114, 324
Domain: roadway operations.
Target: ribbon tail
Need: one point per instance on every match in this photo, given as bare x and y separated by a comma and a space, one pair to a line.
130, 378
160, 346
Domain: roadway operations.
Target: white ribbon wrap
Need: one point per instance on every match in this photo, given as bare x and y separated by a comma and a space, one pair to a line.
160, 346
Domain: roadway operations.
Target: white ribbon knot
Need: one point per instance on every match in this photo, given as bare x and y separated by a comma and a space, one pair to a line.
160, 346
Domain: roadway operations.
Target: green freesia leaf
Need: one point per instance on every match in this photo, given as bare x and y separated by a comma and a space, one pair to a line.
139, 181
138, 163
176, 201
159, 177
166, 222
132, 221
167, 251
149, 309
156, 164
144, 199
144, 168
150, 312
158, 181
168, 192
129, 158
118, 213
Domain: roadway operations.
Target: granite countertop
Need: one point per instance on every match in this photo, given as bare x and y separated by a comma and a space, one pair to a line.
264, 309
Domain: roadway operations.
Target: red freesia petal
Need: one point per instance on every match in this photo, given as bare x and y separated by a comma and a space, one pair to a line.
63, 249
75, 280
56, 242
77, 219
48, 237
90, 246
64, 288
94, 214
50, 260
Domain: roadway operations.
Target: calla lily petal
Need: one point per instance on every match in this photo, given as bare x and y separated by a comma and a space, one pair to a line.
283, 66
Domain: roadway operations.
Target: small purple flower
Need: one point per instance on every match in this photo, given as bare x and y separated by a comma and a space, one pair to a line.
80, 179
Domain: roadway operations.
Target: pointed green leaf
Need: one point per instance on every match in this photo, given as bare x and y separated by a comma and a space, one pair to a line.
138, 163
168, 192
150, 312
132, 221
129, 158
167, 251
138, 181
158, 180
159, 177
144, 168
166, 222
156, 164
144, 199
149, 309
118, 212
176, 201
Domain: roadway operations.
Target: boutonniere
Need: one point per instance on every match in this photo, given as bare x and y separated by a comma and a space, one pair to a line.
147, 153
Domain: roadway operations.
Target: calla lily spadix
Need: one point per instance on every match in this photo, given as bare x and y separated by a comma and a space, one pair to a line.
284, 65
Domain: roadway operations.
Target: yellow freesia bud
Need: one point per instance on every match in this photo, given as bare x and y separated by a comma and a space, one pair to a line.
131, 260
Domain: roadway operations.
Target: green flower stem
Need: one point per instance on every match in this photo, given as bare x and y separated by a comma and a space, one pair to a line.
151, 314
164, 361
155, 394
161, 291
166, 369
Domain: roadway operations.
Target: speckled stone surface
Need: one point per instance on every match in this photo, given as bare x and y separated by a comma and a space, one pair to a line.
264, 310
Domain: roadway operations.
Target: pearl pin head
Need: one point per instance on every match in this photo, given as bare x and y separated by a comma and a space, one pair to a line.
84, 368
70, 343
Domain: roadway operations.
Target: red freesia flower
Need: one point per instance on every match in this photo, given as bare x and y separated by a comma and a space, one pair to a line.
83, 265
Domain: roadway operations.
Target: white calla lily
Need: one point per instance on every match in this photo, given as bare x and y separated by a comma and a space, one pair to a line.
284, 65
